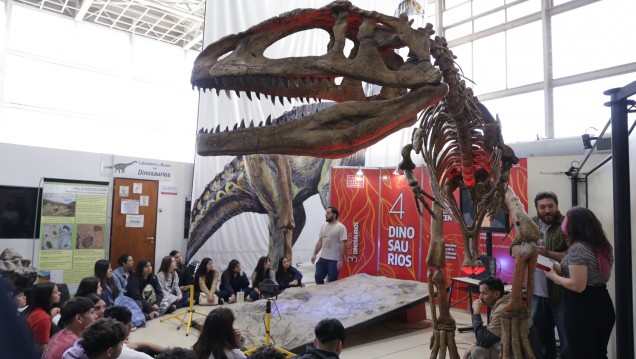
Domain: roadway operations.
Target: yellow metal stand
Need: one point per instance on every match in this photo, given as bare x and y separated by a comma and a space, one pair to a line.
190, 312
268, 315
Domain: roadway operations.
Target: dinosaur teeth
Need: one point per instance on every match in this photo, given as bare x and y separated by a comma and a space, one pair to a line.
260, 124
227, 128
249, 95
273, 98
201, 130
218, 128
258, 95
289, 100
227, 93
286, 82
238, 93
302, 99
242, 123
269, 120
235, 127
252, 123
280, 99
218, 92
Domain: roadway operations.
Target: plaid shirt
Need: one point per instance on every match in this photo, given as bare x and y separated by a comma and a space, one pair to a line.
554, 242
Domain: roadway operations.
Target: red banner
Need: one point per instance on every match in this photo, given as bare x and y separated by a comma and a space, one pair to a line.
357, 197
400, 228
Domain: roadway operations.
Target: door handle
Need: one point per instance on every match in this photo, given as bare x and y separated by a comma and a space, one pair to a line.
150, 238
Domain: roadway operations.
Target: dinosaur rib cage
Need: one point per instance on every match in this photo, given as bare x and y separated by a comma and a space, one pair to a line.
439, 138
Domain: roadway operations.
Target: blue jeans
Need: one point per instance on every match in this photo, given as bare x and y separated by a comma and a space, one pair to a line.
546, 314
326, 268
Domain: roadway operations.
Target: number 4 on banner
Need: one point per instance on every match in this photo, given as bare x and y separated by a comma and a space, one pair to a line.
398, 207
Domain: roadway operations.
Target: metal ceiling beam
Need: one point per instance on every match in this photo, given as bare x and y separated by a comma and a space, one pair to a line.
86, 4
193, 42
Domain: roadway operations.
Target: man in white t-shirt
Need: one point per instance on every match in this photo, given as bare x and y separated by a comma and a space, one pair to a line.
332, 242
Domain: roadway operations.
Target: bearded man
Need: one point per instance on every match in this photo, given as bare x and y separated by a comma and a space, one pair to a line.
547, 306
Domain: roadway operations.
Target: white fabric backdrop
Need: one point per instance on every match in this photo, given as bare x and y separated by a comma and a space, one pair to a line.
245, 237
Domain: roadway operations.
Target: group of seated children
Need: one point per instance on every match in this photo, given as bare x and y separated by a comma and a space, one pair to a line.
154, 294
212, 289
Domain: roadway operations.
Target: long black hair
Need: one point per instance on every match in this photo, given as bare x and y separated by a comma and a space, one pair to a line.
583, 226
139, 270
41, 297
217, 335
262, 273
87, 285
228, 273
202, 271
101, 270
281, 272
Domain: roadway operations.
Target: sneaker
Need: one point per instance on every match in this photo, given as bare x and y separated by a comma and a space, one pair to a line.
171, 309
221, 301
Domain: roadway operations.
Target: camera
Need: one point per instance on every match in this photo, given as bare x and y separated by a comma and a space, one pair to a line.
268, 288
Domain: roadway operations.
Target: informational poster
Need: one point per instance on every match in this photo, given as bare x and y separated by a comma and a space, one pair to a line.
356, 197
400, 227
73, 230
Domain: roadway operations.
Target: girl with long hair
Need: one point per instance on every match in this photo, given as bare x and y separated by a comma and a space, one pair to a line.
206, 282
111, 289
234, 280
262, 272
589, 314
219, 339
287, 276
169, 283
89, 285
42, 299
144, 288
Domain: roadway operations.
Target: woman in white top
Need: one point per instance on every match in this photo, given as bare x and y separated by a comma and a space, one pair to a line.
219, 339
169, 283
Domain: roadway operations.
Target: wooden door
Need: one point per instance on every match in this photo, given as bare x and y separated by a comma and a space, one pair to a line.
127, 234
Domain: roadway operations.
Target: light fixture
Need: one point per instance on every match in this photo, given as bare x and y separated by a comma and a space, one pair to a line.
573, 170
587, 139
397, 171
359, 172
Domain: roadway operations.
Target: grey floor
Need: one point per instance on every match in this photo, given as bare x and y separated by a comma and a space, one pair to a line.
390, 338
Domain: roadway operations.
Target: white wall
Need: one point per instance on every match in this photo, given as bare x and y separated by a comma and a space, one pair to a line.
26, 166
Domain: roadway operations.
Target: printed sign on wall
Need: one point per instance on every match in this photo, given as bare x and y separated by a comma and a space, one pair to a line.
356, 197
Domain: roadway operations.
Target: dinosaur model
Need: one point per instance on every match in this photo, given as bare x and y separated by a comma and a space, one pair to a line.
460, 141
274, 185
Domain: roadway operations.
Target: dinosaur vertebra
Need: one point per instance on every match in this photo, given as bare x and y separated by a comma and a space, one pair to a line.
356, 122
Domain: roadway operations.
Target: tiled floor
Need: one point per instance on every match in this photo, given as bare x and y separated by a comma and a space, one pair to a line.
390, 338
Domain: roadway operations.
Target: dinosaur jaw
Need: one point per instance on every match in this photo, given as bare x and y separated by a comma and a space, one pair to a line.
337, 131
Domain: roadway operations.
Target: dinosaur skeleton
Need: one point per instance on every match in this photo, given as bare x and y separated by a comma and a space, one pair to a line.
460, 141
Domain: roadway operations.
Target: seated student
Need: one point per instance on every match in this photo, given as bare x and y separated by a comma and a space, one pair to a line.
205, 284
219, 338
263, 271
144, 288
76, 314
39, 316
20, 301
101, 340
491, 294
266, 352
169, 283
233, 280
181, 270
125, 269
330, 336
287, 276
131, 350
98, 304
111, 289
89, 285
176, 353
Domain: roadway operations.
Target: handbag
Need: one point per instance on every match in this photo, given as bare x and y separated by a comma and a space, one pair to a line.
149, 294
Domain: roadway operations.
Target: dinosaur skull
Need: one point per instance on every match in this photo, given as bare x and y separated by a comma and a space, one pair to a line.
237, 63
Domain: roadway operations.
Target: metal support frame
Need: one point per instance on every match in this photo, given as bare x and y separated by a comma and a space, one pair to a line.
622, 220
